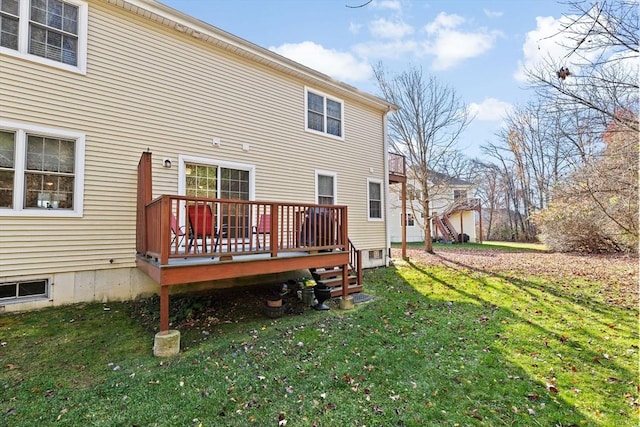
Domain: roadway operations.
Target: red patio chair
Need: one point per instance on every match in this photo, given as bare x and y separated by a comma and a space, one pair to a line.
177, 232
263, 227
201, 226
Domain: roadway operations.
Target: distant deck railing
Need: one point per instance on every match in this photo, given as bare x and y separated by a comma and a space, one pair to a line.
463, 205
172, 229
397, 165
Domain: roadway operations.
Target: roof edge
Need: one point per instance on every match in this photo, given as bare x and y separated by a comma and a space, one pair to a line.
184, 23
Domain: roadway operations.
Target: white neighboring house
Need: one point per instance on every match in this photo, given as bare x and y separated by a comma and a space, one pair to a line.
455, 212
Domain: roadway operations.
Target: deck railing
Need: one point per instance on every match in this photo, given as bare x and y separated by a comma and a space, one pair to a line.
192, 227
463, 205
397, 165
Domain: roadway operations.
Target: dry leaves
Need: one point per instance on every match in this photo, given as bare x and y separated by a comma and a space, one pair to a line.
618, 273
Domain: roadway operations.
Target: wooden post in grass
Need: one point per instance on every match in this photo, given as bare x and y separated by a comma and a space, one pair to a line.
166, 343
164, 308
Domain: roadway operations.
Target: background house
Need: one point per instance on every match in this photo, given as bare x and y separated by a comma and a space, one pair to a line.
87, 86
451, 199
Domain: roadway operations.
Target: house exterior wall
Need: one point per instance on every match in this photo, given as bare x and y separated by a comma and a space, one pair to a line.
439, 203
151, 87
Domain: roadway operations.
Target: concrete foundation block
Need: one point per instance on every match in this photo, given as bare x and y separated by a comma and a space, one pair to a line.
346, 303
166, 344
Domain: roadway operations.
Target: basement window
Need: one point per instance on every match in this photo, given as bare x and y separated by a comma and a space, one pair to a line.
23, 290
377, 254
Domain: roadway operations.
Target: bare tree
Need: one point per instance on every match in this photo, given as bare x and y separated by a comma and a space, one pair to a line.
596, 208
595, 86
488, 179
599, 71
426, 129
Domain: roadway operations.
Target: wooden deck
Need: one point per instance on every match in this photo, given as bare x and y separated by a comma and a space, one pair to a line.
182, 240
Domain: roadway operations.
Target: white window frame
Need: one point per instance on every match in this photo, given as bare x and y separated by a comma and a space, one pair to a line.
380, 183
184, 159
460, 190
20, 150
335, 184
306, 114
23, 38
38, 297
410, 217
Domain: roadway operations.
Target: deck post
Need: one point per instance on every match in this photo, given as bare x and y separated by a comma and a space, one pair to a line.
403, 220
480, 215
346, 302
274, 235
164, 308
144, 196
345, 281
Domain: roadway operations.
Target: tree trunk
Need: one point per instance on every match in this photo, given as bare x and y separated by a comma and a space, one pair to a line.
428, 243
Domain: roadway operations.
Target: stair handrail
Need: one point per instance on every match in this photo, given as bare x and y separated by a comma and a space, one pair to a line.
461, 205
355, 261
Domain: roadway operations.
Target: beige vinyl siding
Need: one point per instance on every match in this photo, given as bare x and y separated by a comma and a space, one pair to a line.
148, 86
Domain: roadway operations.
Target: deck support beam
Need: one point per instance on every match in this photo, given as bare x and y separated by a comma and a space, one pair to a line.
164, 309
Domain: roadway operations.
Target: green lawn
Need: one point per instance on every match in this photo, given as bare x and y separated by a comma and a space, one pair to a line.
484, 246
438, 346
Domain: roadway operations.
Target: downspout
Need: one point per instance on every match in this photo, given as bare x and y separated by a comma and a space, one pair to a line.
387, 230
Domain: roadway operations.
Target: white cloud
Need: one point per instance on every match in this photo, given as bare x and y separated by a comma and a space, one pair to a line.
387, 4
551, 43
492, 13
540, 45
385, 29
444, 21
490, 109
451, 46
354, 28
391, 50
339, 65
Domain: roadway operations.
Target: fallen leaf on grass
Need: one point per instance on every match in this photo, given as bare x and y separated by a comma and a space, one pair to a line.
474, 414
282, 421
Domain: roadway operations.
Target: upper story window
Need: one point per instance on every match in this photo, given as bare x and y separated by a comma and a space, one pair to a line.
459, 195
412, 192
324, 114
53, 32
9, 19
40, 171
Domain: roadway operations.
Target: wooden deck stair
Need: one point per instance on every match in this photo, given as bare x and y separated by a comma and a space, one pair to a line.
332, 278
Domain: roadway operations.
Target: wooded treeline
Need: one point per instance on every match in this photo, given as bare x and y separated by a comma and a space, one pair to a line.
564, 167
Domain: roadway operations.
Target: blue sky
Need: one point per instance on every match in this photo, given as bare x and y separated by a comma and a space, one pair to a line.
476, 47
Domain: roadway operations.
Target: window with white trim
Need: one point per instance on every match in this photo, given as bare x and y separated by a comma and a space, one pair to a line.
459, 195
40, 171
374, 196
325, 188
48, 31
23, 290
410, 220
211, 178
324, 114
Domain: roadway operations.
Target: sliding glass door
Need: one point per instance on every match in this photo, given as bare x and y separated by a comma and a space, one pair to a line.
213, 181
